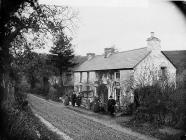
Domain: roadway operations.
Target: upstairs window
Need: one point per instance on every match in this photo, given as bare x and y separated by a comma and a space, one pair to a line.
80, 77
117, 75
163, 73
88, 88
88, 77
80, 88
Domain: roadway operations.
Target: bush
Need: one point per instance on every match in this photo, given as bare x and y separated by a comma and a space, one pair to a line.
54, 93
24, 125
159, 105
39, 91
18, 121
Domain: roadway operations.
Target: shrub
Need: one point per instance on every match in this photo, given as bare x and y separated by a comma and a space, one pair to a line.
53, 94
159, 105
39, 91
18, 121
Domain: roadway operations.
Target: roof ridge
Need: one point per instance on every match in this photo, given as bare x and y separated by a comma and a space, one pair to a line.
132, 50
172, 50
131, 58
123, 51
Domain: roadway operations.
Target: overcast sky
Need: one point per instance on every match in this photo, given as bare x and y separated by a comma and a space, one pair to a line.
126, 24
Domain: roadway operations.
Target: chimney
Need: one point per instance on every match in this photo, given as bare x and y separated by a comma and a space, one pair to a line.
109, 51
90, 55
153, 43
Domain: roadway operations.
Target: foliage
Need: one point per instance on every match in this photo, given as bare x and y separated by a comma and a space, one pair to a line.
181, 79
53, 93
158, 105
28, 25
37, 68
62, 59
62, 53
25, 126
25, 25
19, 122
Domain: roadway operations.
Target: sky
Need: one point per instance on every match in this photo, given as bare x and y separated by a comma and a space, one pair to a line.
125, 24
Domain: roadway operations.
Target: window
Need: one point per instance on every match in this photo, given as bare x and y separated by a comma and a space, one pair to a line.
163, 73
80, 77
88, 88
117, 75
88, 77
80, 88
117, 95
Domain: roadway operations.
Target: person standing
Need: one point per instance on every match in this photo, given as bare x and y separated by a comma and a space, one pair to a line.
73, 98
78, 100
111, 105
66, 102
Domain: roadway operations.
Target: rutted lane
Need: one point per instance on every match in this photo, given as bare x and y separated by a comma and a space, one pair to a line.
74, 124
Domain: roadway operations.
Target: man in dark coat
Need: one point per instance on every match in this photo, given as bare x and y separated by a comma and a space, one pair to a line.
78, 100
111, 105
73, 98
66, 102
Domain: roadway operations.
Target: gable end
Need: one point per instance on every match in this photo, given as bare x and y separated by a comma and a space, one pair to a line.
169, 60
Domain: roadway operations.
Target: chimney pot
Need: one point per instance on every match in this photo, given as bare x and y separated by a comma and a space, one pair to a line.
152, 34
90, 55
109, 51
153, 42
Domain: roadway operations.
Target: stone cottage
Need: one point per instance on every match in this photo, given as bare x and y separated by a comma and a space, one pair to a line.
118, 73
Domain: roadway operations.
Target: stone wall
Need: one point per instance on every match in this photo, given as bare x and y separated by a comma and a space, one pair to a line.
149, 70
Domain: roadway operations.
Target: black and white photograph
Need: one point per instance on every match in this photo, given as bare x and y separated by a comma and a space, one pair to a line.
92, 70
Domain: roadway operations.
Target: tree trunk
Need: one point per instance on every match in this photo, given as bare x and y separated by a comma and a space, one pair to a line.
45, 85
62, 87
32, 82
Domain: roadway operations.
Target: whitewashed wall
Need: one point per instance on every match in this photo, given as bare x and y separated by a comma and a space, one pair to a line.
149, 69
125, 79
126, 82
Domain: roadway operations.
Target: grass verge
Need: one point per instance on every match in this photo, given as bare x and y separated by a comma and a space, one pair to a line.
150, 129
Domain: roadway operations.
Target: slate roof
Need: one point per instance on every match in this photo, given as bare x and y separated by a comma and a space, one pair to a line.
178, 58
119, 60
78, 60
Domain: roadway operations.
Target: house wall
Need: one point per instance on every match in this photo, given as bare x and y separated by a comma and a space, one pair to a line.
84, 83
126, 81
149, 69
92, 77
67, 78
108, 78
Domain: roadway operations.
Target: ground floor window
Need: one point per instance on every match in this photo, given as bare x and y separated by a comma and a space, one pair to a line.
80, 88
117, 95
88, 88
